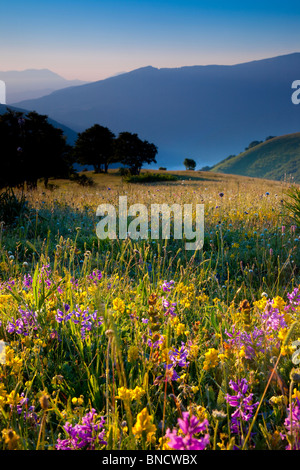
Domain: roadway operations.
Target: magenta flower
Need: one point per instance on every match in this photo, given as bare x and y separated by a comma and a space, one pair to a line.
85, 435
242, 403
190, 426
295, 428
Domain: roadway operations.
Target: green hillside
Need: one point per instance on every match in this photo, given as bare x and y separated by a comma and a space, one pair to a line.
276, 159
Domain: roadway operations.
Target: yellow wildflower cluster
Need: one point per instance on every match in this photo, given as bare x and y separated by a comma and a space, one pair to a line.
118, 305
127, 394
13, 398
3, 394
202, 298
260, 304
279, 303
186, 293
211, 359
144, 426
10, 438
5, 300
12, 360
180, 328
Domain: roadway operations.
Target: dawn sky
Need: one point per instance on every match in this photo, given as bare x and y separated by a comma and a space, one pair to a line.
94, 39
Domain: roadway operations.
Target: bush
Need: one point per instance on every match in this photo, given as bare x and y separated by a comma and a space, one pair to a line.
149, 178
82, 180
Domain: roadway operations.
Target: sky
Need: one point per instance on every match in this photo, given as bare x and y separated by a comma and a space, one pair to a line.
94, 39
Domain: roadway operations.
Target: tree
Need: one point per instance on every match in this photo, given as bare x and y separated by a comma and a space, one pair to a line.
31, 149
254, 143
45, 150
133, 152
189, 164
95, 146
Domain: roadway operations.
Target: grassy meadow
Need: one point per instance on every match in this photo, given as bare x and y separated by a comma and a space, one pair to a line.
140, 344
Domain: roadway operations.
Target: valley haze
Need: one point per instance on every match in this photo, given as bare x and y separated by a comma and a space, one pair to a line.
201, 112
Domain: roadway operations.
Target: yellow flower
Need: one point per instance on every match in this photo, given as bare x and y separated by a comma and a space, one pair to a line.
211, 359
12, 361
296, 394
124, 394
119, 305
260, 304
4, 299
10, 438
137, 393
282, 333
279, 303
3, 394
127, 394
78, 401
180, 329
163, 443
13, 398
144, 426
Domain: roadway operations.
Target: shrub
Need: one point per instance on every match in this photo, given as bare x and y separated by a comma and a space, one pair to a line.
149, 178
82, 180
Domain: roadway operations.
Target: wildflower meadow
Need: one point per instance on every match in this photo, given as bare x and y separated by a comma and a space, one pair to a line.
141, 344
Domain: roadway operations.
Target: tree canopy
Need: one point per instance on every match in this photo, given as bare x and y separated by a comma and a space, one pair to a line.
31, 148
189, 164
95, 146
133, 152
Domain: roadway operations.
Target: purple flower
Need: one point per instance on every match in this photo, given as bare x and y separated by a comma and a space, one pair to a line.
167, 286
189, 425
242, 403
295, 428
85, 435
178, 356
25, 324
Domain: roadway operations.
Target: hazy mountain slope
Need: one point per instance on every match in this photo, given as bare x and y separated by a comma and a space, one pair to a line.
276, 159
33, 83
200, 112
69, 133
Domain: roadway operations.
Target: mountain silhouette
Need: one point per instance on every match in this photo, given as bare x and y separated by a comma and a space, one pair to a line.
201, 112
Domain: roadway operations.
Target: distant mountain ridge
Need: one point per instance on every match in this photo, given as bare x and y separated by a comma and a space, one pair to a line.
276, 159
33, 83
198, 112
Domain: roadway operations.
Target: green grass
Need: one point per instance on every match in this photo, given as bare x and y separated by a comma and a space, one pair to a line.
275, 159
50, 265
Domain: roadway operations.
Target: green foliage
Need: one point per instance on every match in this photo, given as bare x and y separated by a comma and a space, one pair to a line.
131, 151
95, 146
277, 158
149, 178
189, 164
32, 148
